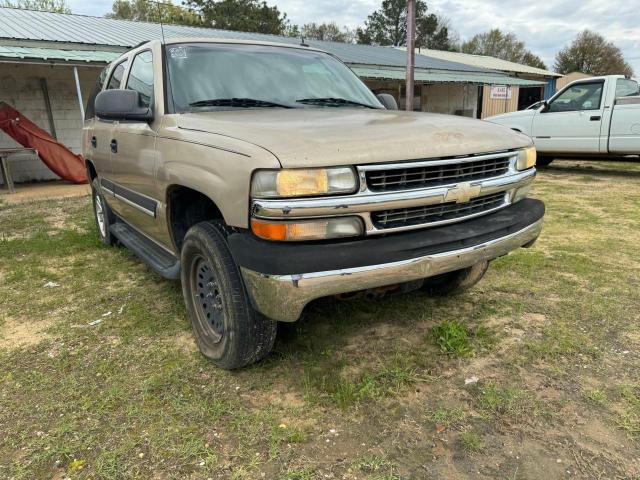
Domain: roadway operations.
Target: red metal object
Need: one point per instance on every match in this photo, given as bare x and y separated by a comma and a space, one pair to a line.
62, 161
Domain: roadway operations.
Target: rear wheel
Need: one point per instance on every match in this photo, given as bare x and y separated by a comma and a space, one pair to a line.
102, 213
456, 282
227, 329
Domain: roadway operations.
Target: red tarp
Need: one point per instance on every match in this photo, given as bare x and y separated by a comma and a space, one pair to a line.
62, 161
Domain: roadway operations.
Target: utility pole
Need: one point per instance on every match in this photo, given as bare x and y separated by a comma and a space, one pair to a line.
411, 54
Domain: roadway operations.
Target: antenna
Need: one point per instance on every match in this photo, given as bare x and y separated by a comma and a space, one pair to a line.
159, 19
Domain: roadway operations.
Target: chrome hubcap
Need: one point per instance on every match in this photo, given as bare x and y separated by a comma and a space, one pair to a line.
100, 216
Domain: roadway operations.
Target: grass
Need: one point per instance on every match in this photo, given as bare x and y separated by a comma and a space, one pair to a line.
471, 442
495, 399
448, 417
367, 389
596, 396
459, 340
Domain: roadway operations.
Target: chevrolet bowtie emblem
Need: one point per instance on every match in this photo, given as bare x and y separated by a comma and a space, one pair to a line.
462, 192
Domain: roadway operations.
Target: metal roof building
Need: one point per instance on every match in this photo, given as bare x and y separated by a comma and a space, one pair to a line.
49, 63
28, 35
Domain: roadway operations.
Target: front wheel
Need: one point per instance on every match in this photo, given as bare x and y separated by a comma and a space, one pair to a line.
227, 329
456, 282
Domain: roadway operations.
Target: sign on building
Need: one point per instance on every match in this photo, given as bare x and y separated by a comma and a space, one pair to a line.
500, 92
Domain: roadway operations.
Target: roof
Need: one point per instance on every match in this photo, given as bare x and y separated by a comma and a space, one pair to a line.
28, 25
483, 61
77, 56
440, 77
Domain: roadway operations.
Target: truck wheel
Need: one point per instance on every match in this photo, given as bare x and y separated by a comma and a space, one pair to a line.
102, 213
543, 161
227, 329
456, 282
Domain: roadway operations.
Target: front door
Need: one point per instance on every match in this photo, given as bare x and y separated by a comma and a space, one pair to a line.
101, 133
571, 122
133, 157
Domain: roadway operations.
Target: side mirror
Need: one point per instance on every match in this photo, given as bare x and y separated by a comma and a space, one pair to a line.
122, 105
388, 101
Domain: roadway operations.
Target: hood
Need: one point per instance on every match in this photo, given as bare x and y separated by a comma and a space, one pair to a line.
314, 137
520, 114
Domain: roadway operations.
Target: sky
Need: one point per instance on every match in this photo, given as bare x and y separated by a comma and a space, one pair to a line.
545, 27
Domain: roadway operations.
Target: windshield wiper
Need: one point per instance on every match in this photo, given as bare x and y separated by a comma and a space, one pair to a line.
333, 102
237, 102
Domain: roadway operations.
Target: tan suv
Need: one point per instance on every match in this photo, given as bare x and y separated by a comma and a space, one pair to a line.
265, 176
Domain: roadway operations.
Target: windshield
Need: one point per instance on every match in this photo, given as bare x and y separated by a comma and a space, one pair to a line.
205, 76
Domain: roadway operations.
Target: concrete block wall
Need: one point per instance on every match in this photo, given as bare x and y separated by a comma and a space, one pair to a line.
20, 88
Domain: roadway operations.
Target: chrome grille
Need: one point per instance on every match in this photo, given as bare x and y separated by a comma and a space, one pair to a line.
435, 175
404, 217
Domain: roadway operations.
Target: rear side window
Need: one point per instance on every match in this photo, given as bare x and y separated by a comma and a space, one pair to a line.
626, 88
90, 111
141, 77
116, 76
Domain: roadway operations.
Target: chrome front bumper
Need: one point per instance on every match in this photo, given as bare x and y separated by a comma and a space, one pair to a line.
283, 297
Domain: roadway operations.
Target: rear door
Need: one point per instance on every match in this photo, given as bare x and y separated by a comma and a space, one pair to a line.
572, 121
133, 159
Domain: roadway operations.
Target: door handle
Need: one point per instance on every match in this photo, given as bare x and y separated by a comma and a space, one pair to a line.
114, 145
595, 118
94, 142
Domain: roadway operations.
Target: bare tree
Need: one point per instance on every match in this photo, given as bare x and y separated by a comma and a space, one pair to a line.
506, 46
591, 53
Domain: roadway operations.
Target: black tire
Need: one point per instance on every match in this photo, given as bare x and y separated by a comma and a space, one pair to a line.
102, 214
456, 282
543, 161
228, 331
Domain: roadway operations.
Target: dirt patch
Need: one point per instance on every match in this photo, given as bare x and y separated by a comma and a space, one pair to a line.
16, 334
40, 191
185, 342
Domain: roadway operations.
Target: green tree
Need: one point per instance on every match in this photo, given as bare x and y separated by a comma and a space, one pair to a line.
241, 15
144, 11
591, 53
329, 32
388, 26
506, 46
55, 6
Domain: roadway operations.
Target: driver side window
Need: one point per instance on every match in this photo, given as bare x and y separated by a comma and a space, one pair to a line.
582, 96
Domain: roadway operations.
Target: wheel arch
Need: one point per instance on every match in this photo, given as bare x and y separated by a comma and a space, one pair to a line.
186, 207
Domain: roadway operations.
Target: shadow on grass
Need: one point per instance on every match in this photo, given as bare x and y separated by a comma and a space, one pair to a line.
615, 171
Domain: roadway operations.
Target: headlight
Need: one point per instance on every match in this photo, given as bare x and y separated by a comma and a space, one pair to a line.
303, 182
320, 229
526, 158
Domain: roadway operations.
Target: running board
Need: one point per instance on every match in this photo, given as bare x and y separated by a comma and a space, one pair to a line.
163, 262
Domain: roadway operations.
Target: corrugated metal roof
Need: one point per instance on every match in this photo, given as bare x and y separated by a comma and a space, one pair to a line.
56, 54
483, 61
444, 77
55, 27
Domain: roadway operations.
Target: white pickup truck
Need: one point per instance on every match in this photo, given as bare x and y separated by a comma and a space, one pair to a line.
593, 117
